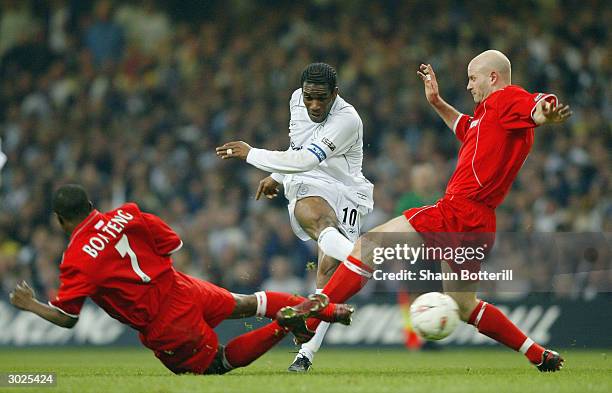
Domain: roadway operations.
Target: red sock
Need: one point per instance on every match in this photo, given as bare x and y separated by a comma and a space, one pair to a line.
347, 280
268, 303
244, 349
491, 322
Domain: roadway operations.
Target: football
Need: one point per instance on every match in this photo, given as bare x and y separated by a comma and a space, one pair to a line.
434, 315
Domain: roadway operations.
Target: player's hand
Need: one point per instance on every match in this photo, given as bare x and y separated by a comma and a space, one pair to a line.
22, 297
547, 112
428, 76
237, 149
268, 187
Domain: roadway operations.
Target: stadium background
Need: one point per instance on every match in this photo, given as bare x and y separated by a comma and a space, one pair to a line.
130, 98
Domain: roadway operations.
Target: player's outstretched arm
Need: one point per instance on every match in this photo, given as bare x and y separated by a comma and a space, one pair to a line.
235, 149
23, 298
442, 108
285, 162
549, 113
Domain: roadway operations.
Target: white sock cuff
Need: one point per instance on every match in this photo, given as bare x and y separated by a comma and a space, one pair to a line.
526, 345
334, 244
225, 362
479, 315
262, 304
326, 231
356, 269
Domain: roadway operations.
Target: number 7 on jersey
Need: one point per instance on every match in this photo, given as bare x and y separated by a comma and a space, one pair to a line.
123, 247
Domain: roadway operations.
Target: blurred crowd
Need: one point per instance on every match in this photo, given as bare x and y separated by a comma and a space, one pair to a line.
130, 99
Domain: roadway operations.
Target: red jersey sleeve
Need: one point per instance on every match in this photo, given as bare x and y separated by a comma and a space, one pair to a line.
74, 289
166, 240
516, 108
462, 124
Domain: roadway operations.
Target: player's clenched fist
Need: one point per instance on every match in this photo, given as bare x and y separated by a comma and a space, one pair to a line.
237, 149
22, 296
428, 76
267, 187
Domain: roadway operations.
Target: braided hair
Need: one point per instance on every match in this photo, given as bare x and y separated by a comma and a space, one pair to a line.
320, 74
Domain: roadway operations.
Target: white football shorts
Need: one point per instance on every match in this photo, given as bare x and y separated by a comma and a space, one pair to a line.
341, 198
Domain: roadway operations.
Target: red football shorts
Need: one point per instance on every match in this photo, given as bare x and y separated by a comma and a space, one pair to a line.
457, 223
182, 335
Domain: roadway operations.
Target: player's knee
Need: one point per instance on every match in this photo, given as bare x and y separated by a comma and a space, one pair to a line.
315, 225
325, 222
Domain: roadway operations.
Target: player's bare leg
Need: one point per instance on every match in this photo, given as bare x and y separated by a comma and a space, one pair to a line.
290, 310
463, 292
319, 221
246, 306
490, 321
364, 247
244, 349
325, 268
354, 273
268, 304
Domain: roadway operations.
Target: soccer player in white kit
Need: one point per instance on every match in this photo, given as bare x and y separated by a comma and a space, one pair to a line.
321, 175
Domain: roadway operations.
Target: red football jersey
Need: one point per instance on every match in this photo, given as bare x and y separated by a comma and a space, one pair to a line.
495, 144
121, 260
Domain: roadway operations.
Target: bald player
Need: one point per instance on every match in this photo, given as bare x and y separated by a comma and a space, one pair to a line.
495, 142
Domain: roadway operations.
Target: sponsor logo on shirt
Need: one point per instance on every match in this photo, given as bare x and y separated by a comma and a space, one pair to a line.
294, 147
329, 144
474, 123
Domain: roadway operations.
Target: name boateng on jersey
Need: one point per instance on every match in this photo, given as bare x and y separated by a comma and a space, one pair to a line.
121, 260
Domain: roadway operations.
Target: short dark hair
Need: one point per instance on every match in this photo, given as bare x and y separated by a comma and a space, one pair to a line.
71, 202
320, 74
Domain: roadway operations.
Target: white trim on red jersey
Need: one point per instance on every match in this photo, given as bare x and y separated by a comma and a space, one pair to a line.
177, 248
543, 97
62, 311
422, 210
457, 122
476, 148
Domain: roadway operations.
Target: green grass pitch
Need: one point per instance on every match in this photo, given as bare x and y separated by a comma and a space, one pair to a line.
336, 370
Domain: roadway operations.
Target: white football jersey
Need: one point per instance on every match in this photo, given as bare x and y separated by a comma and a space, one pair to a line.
337, 143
